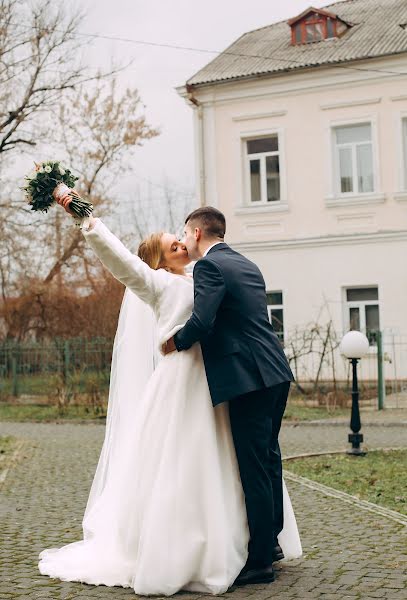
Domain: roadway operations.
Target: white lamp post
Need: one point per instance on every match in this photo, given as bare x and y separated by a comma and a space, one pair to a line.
354, 345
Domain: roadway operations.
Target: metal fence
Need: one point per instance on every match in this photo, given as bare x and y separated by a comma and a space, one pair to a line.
320, 368
39, 368
322, 373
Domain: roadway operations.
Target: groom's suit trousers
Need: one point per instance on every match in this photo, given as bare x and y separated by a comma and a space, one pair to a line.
256, 421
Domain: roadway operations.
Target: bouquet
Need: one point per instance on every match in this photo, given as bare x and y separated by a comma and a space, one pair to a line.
48, 182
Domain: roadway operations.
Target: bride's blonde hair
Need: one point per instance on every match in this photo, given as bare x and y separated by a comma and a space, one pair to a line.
151, 252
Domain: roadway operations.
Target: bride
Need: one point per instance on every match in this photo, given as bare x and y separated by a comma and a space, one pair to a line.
166, 510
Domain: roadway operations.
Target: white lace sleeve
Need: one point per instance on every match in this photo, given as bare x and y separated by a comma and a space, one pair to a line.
124, 265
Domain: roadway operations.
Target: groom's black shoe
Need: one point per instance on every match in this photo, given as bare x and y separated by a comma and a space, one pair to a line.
278, 554
256, 575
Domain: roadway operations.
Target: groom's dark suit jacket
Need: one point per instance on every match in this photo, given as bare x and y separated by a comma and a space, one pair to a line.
241, 351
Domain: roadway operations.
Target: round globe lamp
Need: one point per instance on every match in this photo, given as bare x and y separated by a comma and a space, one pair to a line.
354, 346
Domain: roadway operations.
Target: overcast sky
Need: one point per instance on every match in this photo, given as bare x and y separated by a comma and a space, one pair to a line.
209, 24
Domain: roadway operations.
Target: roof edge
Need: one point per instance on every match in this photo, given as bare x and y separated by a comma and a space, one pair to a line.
286, 71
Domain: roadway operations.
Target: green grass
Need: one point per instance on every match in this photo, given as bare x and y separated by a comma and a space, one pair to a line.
379, 477
45, 384
312, 413
7, 447
7, 444
41, 391
42, 413
38, 413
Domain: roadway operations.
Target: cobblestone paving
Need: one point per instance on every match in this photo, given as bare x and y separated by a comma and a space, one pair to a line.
349, 554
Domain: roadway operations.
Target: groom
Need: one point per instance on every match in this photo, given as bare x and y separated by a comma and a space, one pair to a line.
246, 365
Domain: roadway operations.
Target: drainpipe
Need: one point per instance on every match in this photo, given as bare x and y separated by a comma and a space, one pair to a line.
201, 147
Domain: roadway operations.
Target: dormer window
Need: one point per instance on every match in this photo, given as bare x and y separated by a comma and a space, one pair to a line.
315, 25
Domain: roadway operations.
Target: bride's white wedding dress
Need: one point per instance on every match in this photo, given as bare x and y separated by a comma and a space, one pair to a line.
166, 510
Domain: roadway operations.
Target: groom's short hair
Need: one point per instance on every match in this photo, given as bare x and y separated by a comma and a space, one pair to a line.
209, 219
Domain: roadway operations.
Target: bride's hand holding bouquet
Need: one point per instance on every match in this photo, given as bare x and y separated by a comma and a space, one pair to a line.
51, 182
65, 199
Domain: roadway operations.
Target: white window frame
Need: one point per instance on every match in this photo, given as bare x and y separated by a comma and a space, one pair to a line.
353, 147
401, 193
400, 169
271, 307
262, 158
337, 198
246, 205
360, 304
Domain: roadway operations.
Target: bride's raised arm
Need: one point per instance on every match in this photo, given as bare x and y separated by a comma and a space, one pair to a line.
128, 268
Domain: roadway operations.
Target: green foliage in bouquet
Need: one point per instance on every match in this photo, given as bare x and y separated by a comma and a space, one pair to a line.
42, 182
41, 185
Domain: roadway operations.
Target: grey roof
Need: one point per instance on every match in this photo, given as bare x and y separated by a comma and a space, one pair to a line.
376, 31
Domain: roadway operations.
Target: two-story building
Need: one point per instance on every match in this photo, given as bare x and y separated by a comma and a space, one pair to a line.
301, 140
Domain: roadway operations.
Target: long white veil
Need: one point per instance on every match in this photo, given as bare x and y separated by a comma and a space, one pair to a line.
134, 358
104, 554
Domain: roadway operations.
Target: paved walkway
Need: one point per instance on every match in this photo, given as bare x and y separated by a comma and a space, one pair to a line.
348, 553
369, 416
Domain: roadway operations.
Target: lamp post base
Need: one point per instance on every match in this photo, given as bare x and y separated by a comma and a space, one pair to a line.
356, 452
356, 439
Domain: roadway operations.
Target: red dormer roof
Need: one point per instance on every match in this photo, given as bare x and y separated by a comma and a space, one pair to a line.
306, 12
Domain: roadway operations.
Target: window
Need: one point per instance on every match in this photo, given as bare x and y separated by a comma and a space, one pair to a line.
363, 311
276, 314
263, 165
354, 159
311, 29
404, 125
315, 26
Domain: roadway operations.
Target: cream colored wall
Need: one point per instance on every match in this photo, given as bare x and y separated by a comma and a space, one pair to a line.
308, 248
313, 280
302, 107
307, 162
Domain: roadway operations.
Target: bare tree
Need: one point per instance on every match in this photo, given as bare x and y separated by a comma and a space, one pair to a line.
97, 133
38, 64
311, 352
158, 207
48, 98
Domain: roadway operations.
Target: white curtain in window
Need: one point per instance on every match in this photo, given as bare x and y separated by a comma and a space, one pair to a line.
364, 167
345, 169
273, 178
255, 184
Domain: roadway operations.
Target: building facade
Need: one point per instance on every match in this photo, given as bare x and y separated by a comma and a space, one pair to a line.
302, 143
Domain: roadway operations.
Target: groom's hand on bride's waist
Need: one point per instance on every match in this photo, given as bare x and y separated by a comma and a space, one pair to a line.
168, 346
